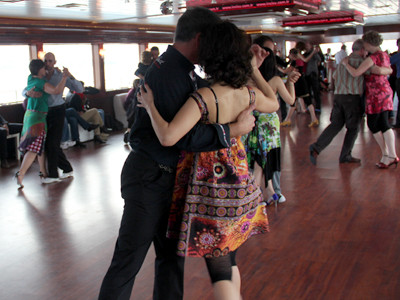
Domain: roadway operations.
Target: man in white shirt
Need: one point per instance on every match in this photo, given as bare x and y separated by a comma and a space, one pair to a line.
341, 54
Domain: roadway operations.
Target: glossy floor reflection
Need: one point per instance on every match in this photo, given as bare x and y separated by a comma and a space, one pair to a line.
336, 237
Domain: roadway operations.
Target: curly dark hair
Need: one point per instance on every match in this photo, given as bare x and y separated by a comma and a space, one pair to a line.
224, 54
373, 38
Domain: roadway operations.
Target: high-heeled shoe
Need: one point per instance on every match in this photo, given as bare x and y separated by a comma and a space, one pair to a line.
42, 175
286, 123
395, 161
314, 124
382, 165
16, 176
273, 199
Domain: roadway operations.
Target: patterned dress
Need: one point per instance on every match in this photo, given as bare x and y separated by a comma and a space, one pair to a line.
35, 127
263, 144
378, 93
216, 204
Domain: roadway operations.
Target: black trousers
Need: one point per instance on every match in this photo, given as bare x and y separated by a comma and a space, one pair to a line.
55, 156
313, 85
379, 122
13, 128
397, 123
147, 191
283, 108
347, 110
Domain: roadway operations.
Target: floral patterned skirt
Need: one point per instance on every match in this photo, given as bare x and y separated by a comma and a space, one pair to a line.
264, 137
216, 204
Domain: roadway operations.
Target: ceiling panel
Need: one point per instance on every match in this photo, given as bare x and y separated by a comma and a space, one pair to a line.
148, 12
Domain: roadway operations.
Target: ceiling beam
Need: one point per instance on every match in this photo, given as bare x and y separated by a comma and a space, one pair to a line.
70, 24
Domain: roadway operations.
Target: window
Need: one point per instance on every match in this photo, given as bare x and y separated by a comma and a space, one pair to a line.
120, 64
76, 57
335, 47
289, 45
389, 46
14, 72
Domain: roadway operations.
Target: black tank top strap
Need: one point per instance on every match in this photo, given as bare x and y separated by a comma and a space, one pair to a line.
252, 94
216, 103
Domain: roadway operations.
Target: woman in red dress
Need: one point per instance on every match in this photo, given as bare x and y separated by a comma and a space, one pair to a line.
378, 97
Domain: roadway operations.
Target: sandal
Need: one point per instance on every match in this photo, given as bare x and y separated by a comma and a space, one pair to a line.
16, 176
314, 124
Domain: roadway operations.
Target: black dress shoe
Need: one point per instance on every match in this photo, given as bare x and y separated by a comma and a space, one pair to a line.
79, 144
126, 137
98, 139
5, 164
92, 126
104, 129
350, 159
313, 155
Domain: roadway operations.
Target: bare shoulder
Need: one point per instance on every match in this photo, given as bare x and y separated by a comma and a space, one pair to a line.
206, 94
275, 82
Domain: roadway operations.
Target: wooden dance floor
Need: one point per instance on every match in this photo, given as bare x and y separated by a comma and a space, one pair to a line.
336, 237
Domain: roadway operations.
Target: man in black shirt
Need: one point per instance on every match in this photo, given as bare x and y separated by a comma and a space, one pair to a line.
148, 175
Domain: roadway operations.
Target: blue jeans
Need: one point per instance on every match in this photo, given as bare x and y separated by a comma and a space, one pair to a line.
65, 135
101, 113
73, 118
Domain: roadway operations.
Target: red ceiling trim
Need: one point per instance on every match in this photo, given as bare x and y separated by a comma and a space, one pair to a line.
246, 6
324, 18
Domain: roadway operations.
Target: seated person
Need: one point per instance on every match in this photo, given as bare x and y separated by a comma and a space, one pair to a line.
129, 106
6, 129
144, 64
155, 52
131, 95
93, 115
72, 118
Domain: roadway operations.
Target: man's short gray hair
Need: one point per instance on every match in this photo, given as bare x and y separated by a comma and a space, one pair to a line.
357, 45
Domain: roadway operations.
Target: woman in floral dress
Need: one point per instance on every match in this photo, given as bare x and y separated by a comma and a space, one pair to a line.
263, 143
217, 205
378, 97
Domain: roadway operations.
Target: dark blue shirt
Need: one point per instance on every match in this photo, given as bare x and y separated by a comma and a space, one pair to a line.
395, 60
169, 79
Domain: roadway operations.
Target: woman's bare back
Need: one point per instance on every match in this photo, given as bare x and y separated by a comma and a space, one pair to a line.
231, 102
